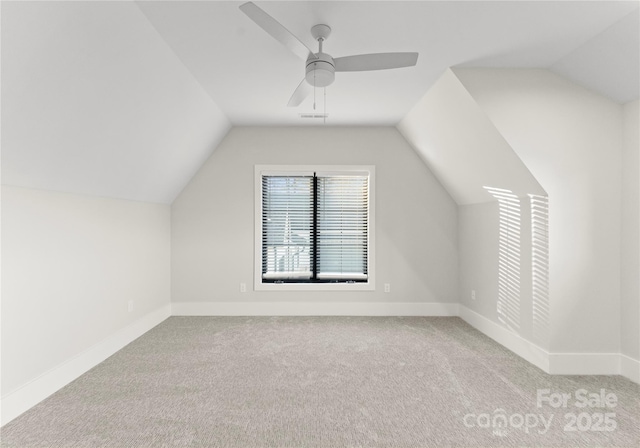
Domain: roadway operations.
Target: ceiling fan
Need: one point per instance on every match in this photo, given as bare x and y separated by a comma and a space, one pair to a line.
320, 66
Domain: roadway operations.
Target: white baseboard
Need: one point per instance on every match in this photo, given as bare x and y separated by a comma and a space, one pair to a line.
22, 399
630, 368
314, 309
514, 342
584, 363
554, 363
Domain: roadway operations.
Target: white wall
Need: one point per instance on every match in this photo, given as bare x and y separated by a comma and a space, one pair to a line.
478, 234
570, 140
70, 265
467, 152
213, 218
479, 252
630, 241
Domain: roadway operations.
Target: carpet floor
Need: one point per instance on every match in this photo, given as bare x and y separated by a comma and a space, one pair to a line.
327, 382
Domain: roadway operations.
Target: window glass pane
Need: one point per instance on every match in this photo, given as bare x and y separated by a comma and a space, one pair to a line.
342, 227
287, 220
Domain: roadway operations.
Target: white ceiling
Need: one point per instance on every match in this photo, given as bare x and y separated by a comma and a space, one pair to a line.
127, 99
608, 63
251, 76
93, 102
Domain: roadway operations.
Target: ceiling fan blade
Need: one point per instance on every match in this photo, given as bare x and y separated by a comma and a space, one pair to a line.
276, 30
376, 61
303, 90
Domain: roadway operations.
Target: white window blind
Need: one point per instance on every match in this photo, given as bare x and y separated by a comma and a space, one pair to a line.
342, 226
315, 228
287, 227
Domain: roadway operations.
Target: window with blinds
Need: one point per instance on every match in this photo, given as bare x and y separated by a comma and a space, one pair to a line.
315, 227
287, 227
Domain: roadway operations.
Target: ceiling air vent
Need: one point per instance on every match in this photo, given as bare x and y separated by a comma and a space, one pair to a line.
314, 115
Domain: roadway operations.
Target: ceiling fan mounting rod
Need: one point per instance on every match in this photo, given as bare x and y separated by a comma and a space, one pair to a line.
321, 31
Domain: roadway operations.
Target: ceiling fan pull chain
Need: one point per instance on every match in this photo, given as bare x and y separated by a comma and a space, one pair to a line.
324, 115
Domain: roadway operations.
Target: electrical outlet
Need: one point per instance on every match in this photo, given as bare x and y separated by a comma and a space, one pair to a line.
473, 294
130, 305
387, 287
243, 287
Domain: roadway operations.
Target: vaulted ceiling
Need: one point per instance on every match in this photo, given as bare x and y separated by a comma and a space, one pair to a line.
127, 99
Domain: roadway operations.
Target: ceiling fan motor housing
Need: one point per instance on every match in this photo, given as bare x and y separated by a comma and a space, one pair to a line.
321, 70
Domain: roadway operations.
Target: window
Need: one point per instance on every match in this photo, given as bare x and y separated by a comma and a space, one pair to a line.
314, 228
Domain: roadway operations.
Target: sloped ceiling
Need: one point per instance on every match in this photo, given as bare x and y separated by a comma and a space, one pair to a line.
462, 146
127, 99
608, 63
94, 102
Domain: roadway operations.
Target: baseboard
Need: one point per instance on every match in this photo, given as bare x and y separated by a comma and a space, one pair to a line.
514, 342
314, 309
630, 368
554, 363
584, 363
22, 399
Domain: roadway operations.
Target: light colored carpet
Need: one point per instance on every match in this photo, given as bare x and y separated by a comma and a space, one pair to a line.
321, 382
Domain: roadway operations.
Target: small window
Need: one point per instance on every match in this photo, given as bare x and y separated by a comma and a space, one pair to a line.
314, 227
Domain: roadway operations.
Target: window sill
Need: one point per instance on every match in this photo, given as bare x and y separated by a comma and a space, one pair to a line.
368, 286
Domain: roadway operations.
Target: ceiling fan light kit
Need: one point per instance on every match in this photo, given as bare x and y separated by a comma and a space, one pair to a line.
321, 71
320, 67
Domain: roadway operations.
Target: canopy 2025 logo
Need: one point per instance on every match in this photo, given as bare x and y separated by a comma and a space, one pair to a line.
593, 414
595, 404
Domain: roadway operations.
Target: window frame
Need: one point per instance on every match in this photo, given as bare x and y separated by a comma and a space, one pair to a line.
293, 170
